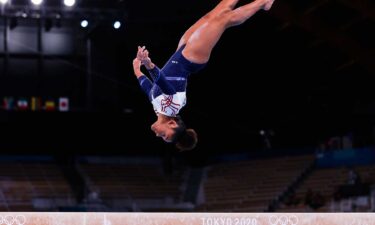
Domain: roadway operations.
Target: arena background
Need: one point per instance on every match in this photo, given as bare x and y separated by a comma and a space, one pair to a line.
284, 106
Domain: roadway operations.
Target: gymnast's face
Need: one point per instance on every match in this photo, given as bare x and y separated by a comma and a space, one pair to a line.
164, 129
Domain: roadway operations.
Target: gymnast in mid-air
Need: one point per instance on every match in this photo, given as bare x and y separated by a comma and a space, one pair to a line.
167, 88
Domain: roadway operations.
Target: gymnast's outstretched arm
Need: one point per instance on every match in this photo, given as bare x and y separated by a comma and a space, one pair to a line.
144, 82
156, 74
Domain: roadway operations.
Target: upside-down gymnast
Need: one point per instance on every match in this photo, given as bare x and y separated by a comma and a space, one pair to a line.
167, 89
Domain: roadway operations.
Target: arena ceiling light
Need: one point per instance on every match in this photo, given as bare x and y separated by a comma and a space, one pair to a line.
3, 1
117, 25
36, 2
69, 3
84, 23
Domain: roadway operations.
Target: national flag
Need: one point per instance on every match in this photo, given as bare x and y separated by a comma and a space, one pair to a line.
36, 104
8, 103
49, 105
64, 104
22, 104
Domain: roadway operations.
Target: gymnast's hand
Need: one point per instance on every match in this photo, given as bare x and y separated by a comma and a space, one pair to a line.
142, 55
137, 67
267, 4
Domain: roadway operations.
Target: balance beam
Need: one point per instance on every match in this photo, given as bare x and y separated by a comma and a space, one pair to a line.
28, 218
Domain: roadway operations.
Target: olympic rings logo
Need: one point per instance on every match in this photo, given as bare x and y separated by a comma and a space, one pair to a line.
12, 220
283, 220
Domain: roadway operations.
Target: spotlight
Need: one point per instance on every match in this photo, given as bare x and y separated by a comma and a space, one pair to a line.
3, 1
84, 23
69, 3
37, 2
117, 25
